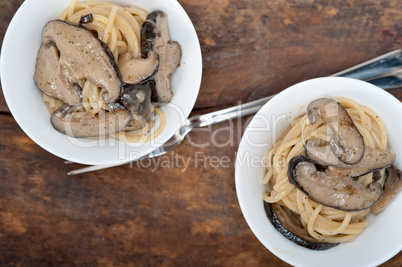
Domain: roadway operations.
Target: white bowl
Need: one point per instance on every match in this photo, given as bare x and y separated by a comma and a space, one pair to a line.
383, 237
20, 46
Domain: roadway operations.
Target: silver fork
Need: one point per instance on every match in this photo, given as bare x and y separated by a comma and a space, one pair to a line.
386, 66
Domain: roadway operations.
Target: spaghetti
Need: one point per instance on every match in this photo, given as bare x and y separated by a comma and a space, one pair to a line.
120, 29
325, 224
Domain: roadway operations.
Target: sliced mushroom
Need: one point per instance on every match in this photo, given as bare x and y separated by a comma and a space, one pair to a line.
287, 223
373, 159
392, 187
347, 143
137, 99
155, 37
69, 121
53, 79
334, 187
377, 176
85, 19
137, 70
84, 56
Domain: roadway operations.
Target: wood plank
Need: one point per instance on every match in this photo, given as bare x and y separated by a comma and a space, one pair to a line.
7, 10
165, 212
150, 214
178, 210
253, 49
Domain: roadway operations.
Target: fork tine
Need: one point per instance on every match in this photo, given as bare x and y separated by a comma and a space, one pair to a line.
359, 72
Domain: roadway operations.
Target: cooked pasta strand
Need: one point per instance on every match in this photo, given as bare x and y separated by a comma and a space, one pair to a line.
119, 28
323, 223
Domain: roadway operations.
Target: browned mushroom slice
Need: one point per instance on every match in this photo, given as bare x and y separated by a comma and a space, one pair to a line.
155, 37
288, 224
137, 99
347, 143
85, 19
334, 187
392, 187
54, 80
136, 70
84, 56
68, 121
373, 159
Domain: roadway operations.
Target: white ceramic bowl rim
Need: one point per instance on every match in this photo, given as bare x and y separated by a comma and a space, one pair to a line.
382, 239
20, 46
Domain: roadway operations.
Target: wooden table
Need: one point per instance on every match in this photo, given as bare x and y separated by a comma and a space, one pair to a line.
173, 215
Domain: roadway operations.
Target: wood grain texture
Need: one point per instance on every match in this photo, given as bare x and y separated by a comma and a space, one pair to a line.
154, 213
253, 49
7, 10
178, 211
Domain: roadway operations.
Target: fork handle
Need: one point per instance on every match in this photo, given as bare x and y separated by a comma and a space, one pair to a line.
387, 64
364, 71
229, 113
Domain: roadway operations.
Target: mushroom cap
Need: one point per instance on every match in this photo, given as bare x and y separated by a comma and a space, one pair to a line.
53, 78
137, 99
155, 37
68, 120
291, 228
137, 70
85, 57
347, 143
333, 187
392, 187
88, 18
373, 159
